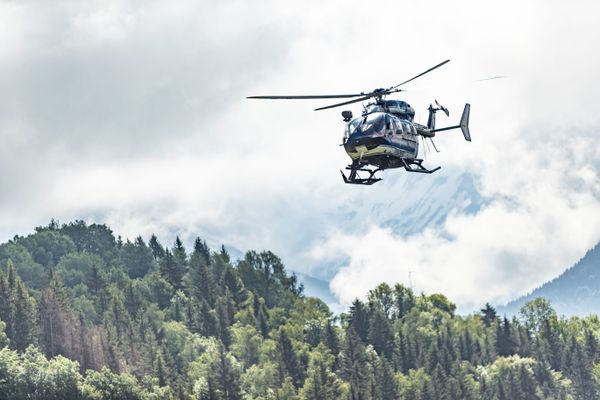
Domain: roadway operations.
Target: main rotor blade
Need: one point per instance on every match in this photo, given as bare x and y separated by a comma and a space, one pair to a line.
344, 103
421, 74
310, 96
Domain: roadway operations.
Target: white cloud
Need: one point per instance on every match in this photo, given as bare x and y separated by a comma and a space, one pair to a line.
544, 215
133, 113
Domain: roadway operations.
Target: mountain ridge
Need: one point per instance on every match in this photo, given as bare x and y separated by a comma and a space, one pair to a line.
576, 291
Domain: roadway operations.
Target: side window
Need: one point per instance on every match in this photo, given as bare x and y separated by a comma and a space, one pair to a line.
392, 126
397, 128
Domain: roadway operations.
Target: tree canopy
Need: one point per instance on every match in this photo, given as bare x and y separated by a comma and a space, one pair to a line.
85, 315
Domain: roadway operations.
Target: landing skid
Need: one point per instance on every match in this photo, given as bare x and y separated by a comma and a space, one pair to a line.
416, 165
355, 179
410, 165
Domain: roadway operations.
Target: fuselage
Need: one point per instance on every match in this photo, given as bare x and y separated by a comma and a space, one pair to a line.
381, 139
384, 135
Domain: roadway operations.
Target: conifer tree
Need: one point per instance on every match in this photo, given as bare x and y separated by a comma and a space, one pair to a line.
289, 365
21, 325
380, 333
321, 383
488, 315
157, 249
352, 365
358, 319
404, 300
172, 268
199, 282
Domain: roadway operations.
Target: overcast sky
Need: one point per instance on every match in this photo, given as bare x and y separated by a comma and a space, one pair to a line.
134, 114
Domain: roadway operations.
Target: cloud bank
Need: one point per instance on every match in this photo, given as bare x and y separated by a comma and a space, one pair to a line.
544, 215
133, 113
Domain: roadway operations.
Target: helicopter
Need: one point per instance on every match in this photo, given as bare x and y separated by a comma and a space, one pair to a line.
385, 136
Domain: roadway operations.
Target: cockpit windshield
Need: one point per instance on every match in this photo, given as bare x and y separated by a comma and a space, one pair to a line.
368, 124
373, 108
373, 122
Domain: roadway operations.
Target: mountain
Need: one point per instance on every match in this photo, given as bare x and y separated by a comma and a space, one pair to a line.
427, 204
575, 292
409, 204
413, 202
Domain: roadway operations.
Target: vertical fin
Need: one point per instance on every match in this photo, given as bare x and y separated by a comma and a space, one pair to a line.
464, 122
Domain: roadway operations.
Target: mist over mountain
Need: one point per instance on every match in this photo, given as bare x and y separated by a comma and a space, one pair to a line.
417, 203
574, 292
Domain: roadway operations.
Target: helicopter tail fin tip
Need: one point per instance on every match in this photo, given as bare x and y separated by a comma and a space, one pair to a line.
464, 122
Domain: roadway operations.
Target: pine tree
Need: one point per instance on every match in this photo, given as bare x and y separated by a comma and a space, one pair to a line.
199, 283
54, 326
228, 376
358, 319
352, 365
332, 341
504, 345
21, 327
488, 315
321, 383
201, 250
404, 300
157, 249
388, 388
6, 311
225, 311
172, 269
288, 361
380, 333
231, 282
260, 315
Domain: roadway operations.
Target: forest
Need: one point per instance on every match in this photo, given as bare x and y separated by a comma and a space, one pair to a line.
87, 315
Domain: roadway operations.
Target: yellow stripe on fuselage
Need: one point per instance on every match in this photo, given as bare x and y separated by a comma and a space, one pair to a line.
383, 149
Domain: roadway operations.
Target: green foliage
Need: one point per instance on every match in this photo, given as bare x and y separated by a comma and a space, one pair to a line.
31, 376
137, 258
76, 268
3, 337
125, 320
259, 382
246, 344
264, 274
47, 245
535, 312
95, 239
17, 310
523, 378
321, 382
216, 373
32, 273
104, 384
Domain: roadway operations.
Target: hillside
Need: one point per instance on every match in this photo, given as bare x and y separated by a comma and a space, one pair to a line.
87, 315
575, 292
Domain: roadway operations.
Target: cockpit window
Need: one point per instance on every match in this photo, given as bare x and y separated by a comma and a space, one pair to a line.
372, 122
367, 124
351, 128
373, 108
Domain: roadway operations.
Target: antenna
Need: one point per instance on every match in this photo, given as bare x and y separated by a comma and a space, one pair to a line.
410, 285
